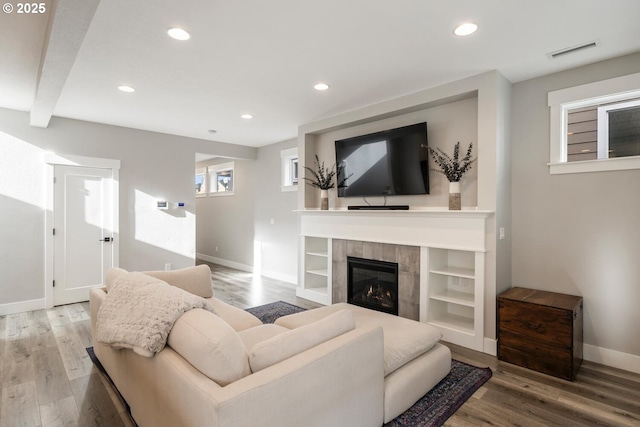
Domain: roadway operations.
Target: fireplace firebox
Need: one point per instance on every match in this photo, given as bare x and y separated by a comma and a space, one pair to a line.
373, 284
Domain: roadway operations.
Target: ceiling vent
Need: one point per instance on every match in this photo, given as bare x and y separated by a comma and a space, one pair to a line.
572, 49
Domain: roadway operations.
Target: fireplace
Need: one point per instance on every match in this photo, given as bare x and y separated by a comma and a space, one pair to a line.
373, 284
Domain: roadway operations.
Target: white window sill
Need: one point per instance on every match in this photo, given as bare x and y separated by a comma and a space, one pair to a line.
602, 165
222, 193
289, 188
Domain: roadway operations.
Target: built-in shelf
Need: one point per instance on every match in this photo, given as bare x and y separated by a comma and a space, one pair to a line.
324, 273
316, 281
320, 254
455, 295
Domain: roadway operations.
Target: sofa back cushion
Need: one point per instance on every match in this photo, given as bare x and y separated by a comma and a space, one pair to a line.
196, 280
210, 345
290, 343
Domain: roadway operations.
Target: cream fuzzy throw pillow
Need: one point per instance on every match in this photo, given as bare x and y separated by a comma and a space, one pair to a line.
139, 312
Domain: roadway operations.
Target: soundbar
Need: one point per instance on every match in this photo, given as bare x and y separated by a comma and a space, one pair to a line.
378, 208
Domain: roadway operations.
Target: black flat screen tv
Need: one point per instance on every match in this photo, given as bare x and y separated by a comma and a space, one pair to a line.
388, 163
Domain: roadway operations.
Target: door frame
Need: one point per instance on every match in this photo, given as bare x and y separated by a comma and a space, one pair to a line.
52, 160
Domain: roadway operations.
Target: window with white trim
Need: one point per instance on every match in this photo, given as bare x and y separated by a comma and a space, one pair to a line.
596, 127
289, 162
221, 179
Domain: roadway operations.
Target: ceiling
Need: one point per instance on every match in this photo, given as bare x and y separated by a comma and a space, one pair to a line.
263, 57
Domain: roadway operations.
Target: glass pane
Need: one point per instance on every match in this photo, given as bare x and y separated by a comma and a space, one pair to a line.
582, 134
225, 181
624, 132
200, 184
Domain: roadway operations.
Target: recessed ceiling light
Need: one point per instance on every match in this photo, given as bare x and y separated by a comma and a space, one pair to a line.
125, 88
247, 116
321, 86
178, 34
466, 29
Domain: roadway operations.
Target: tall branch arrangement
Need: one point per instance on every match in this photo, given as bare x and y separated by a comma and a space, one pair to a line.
452, 168
323, 176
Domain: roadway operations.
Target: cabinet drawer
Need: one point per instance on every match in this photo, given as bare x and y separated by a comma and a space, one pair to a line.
558, 363
542, 324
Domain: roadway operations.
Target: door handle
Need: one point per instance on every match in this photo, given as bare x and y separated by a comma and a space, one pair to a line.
107, 239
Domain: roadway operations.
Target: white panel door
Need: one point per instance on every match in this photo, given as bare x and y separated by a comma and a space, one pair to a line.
83, 234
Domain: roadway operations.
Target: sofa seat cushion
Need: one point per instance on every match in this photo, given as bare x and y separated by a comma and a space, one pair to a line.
404, 339
253, 336
285, 345
210, 345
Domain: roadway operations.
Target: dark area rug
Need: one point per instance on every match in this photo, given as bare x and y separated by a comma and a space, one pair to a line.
431, 410
268, 313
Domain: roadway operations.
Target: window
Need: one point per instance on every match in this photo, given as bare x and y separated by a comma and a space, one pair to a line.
221, 179
603, 131
596, 127
201, 182
289, 169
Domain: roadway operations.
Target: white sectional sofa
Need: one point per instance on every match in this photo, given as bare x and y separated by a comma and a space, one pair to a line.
328, 368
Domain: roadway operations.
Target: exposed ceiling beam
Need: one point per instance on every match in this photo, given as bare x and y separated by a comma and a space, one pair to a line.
68, 25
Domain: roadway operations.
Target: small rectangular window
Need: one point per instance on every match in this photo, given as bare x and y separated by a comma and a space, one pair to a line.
289, 169
595, 127
221, 179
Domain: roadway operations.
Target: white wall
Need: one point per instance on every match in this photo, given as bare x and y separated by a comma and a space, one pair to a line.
153, 166
577, 233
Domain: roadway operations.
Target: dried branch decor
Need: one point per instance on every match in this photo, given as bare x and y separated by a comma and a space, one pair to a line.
323, 176
452, 168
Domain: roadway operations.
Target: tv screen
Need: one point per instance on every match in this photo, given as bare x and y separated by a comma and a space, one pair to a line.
388, 163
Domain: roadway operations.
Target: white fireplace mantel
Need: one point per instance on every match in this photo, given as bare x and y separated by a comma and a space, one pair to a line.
435, 228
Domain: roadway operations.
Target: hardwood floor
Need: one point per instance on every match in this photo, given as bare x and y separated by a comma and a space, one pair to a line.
47, 379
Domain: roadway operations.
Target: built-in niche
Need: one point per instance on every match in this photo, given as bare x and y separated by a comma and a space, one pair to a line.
446, 124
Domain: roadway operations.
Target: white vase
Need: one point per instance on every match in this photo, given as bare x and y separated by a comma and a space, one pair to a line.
454, 196
324, 200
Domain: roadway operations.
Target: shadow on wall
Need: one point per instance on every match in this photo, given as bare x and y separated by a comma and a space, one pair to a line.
21, 250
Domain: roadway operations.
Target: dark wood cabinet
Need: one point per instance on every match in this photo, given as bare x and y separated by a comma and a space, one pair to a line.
541, 331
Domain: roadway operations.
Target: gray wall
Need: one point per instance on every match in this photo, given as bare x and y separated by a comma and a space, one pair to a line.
226, 222
240, 225
153, 166
279, 241
576, 233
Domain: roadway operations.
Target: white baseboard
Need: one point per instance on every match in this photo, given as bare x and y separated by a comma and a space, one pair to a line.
490, 346
22, 306
226, 263
613, 358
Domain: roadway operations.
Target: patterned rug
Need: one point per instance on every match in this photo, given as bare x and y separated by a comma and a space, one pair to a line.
434, 408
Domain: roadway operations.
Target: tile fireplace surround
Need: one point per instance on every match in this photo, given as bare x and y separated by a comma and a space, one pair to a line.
407, 257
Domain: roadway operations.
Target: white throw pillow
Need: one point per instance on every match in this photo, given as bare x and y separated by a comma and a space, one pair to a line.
210, 345
290, 343
196, 280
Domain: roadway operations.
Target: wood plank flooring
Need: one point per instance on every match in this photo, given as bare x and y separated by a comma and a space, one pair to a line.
47, 379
